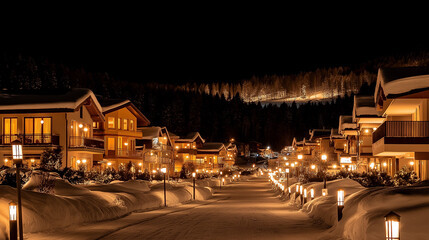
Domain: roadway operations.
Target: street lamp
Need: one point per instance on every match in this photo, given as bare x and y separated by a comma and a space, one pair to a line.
17, 160
164, 170
313, 166
340, 203
324, 157
12, 221
312, 193
392, 226
193, 176
300, 156
305, 195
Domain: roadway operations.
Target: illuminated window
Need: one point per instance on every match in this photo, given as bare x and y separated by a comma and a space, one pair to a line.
110, 143
125, 124
131, 125
111, 122
37, 130
10, 129
119, 123
96, 125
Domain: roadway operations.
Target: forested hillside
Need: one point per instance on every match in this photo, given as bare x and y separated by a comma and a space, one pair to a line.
218, 115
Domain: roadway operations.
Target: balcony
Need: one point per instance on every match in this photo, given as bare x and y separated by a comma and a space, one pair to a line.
84, 142
33, 139
128, 153
401, 136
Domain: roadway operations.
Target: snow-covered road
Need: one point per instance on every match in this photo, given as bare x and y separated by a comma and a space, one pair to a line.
243, 210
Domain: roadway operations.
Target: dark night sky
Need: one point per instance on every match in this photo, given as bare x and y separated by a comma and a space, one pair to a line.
214, 47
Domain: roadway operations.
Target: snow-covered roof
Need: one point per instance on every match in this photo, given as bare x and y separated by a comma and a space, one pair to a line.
53, 101
346, 123
191, 137
364, 106
401, 81
110, 105
150, 132
319, 133
211, 146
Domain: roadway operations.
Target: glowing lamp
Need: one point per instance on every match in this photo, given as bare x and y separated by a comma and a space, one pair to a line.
140, 164
287, 164
6, 160
84, 161
324, 157
289, 190
300, 156
12, 211
78, 161
287, 170
109, 164
163, 170
220, 172
411, 163
153, 171
334, 166
374, 129
81, 125
253, 165
312, 193
85, 129
313, 166
16, 150
193, 174
42, 122
292, 165
32, 160
300, 189
385, 164
305, 193
126, 144
371, 165
340, 197
325, 192
366, 130
392, 226
297, 188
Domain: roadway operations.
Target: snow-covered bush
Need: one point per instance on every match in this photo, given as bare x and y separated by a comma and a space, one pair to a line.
73, 176
51, 159
8, 176
405, 177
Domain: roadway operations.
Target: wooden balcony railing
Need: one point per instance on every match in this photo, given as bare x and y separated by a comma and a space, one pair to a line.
402, 129
31, 139
77, 141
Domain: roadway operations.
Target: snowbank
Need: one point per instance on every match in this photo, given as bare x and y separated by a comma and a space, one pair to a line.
363, 214
76, 204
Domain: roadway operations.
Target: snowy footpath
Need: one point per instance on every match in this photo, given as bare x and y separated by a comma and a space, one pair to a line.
248, 209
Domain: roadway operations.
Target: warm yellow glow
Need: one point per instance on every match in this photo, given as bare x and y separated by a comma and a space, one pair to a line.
84, 161
300, 189
32, 160
324, 157
284, 158
287, 170
154, 171
345, 145
293, 164
342, 166
12, 211
312, 193
366, 130
85, 129
164, 170
151, 153
220, 172
280, 170
81, 125
177, 147
297, 188
193, 174
323, 193
6, 160
299, 156
371, 165
109, 164
374, 129
411, 163
187, 156
313, 166
334, 166
305, 192
42, 122
125, 143
340, 197
140, 164
78, 161
296, 163
287, 164
385, 164
165, 138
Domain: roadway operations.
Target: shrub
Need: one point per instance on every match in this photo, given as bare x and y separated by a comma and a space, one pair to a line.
405, 177
51, 159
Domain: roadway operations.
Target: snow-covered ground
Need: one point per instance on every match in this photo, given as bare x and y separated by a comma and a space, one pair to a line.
76, 204
365, 208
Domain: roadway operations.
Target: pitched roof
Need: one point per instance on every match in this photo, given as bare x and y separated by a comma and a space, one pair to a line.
54, 101
150, 132
111, 105
364, 106
346, 123
191, 137
319, 133
397, 82
211, 147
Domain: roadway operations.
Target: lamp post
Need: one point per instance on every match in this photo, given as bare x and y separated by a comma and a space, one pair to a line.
193, 176
392, 226
164, 170
305, 196
340, 202
287, 177
324, 159
300, 193
13, 233
17, 160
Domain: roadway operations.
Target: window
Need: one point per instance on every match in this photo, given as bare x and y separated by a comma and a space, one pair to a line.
37, 130
119, 123
119, 143
125, 123
111, 122
95, 125
110, 143
10, 129
131, 125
